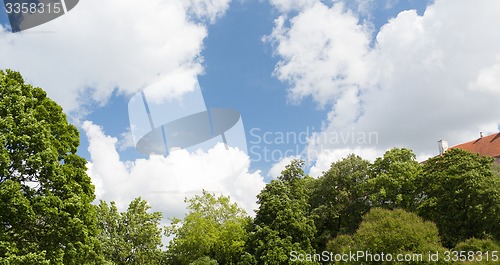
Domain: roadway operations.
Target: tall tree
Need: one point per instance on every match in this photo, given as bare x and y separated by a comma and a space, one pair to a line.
339, 198
132, 237
214, 230
461, 195
283, 223
45, 210
393, 179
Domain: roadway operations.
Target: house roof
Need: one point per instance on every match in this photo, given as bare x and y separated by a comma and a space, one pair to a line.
487, 145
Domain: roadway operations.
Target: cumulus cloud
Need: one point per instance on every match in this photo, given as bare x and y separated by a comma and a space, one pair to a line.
126, 140
208, 10
276, 169
323, 53
292, 5
488, 79
101, 46
419, 79
165, 181
325, 158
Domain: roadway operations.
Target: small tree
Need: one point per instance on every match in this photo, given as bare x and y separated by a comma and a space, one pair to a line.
479, 251
131, 237
391, 232
214, 229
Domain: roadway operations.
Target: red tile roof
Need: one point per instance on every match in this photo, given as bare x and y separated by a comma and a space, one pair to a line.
487, 145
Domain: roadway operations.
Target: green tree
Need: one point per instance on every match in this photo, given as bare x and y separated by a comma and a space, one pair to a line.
283, 223
204, 261
478, 251
339, 198
131, 237
495, 168
393, 181
391, 232
461, 195
214, 228
45, 208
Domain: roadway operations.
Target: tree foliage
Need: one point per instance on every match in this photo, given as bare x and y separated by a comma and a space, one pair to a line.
46, 216
479, 251
204, 261
213, 229
45, 210
283, 223
131, 237
461, 195
392, 232
339, 198
393, 179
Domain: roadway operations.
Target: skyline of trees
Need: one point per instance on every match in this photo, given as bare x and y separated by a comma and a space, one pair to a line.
395, 204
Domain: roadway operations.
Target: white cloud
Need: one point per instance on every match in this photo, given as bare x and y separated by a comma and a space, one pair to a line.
207, 9
327, 157
424, 78
324, 53
174, 85
126, 140
276, 169
365, 7
488, 79
165, 181
390, 4
292, 5
100, 46
346, 108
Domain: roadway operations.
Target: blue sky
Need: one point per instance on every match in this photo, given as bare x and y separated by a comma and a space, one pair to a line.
239, 74
410, 72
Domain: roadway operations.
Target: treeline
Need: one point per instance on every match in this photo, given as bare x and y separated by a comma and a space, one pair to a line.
394, 205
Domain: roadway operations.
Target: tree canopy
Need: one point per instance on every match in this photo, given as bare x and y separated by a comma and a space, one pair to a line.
46, 215
391, 232
393, 179
461, 195
393, 205
339, 198
214, 230
283, 223
131, 237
